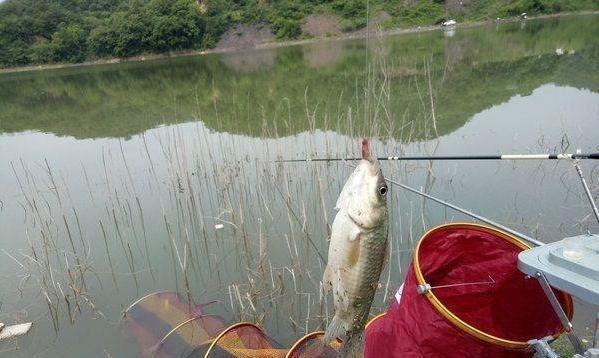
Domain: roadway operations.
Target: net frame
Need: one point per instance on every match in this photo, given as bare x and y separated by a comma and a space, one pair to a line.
453, 318
310, 336
228, 330
210, 325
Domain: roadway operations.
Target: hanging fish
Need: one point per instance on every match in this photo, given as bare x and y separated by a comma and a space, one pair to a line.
357, 252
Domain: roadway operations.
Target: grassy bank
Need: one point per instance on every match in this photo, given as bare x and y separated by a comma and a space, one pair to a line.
69, 31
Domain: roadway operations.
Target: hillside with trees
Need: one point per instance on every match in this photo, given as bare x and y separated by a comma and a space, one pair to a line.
71, 31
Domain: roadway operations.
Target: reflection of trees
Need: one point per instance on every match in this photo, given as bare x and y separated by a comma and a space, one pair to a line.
232, 93
455, 51
582, 69
323, 53
247, 62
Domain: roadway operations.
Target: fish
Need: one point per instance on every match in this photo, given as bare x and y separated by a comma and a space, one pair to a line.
357, 253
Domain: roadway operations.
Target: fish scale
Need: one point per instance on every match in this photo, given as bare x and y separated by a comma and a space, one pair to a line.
369, 268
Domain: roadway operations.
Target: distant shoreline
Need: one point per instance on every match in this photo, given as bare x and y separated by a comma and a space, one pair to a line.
279, 44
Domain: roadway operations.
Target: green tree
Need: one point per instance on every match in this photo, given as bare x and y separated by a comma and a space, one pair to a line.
14, 53
102, 41
286, 19
175, 25
130, 31
69, 43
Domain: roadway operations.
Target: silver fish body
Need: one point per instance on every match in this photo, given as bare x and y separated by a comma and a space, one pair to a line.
357, 253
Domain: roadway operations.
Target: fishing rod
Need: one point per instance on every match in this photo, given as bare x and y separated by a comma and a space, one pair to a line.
571, 156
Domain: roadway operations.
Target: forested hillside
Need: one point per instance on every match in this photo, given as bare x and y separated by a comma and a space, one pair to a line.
52, 31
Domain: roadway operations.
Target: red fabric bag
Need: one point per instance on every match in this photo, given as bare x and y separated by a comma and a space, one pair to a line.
487, 309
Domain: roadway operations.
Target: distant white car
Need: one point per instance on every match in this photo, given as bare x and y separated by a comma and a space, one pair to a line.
449, 23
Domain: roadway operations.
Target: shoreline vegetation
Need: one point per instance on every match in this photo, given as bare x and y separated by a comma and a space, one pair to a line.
278, 44
108, 35
240, 92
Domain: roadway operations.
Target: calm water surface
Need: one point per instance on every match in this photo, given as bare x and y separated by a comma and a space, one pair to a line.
112, 178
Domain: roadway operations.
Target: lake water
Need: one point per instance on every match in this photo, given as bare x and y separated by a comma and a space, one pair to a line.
113, 177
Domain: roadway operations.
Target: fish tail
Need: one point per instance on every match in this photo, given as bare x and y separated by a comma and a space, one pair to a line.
334, 329
353, 346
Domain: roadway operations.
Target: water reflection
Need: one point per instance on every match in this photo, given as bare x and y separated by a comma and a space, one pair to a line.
324, 53
158, 196
248, 62
239, 92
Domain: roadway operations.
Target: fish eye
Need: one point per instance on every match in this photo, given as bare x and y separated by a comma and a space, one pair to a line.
383, 190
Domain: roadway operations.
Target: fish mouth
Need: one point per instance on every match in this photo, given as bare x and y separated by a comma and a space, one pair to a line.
366, 154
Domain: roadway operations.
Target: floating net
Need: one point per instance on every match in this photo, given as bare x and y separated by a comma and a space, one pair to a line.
312, 345
244, 340
479, 303
164, 326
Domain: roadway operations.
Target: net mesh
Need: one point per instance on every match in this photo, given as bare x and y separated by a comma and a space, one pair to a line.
246, 340
313, 345
479, 304
480, 283
164, 325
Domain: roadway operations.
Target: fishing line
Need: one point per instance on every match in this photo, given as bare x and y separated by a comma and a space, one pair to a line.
463, 211
322, 260
469, 213
587, 190
490, 282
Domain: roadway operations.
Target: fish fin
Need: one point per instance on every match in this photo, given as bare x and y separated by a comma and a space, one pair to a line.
327, 279
336, 328
353, 347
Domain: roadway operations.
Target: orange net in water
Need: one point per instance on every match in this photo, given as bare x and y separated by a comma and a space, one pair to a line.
164, 326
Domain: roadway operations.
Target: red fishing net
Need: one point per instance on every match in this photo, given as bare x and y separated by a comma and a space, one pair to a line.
480, 304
